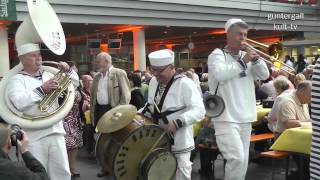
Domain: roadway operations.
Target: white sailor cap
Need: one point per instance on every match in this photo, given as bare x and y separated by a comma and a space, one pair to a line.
230, 22
161, 57
27, 48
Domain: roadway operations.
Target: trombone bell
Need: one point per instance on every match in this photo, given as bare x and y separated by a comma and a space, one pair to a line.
271, 54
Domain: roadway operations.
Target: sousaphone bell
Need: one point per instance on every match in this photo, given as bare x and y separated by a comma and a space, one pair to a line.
41, 25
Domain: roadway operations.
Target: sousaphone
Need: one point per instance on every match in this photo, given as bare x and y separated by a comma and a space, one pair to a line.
42, 25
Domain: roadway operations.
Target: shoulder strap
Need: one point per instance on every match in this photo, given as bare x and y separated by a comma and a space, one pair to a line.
225, 59
175, 77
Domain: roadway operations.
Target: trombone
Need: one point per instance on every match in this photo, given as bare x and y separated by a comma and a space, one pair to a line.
274, 53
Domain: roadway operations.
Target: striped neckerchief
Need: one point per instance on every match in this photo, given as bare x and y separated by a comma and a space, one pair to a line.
238, 57
37, 75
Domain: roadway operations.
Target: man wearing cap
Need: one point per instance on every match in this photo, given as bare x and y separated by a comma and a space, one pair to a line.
110, 88
233, 70
175, 103
25, 90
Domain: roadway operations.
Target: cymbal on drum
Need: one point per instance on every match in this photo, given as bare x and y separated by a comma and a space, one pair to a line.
116, 118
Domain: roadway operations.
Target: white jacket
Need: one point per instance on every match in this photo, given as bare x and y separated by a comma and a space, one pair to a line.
25, 95
182, 94
237, 92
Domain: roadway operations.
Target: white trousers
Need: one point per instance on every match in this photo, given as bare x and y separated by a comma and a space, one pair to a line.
52, 153
233, 140
184, 168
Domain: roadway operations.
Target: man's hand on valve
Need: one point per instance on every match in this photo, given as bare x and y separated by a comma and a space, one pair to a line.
63, 66
49, 86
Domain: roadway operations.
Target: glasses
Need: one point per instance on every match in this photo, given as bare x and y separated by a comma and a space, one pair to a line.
157, 71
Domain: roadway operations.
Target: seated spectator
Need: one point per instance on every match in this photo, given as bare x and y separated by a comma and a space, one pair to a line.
10, 170
288, 61
268, 89
262, 127
293, 109
282, 87
267, 86
207, 138
260, 95
287, 75
298, 78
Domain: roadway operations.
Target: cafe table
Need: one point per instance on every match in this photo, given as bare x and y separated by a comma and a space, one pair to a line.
296, 141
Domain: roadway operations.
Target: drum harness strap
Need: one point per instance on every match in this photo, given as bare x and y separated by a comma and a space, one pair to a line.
163, 115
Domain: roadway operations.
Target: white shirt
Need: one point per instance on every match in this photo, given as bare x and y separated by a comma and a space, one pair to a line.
269, 89
102, 93
237, 92
272, 116
183, 93
290, 63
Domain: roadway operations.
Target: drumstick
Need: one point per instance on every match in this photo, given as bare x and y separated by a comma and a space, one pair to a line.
155, 105
165, 120
153, 146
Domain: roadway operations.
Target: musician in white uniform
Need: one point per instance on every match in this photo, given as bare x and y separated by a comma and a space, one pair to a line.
233, 71
179, 104
25, 90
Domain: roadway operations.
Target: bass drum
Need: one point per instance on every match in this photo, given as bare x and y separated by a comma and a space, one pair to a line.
121, 152
159, 165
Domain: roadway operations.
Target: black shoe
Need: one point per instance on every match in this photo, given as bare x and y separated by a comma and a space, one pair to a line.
205, 173
75, 175
293, 175
102, 174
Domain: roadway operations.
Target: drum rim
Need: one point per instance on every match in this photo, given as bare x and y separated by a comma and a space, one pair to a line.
146, 166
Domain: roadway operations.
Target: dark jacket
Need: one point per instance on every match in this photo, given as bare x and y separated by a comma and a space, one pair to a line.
32, 170
137, 98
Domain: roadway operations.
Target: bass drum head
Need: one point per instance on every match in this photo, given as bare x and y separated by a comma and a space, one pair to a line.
159, 165
136, 145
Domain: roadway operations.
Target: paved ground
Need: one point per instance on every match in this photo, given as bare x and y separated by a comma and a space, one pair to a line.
260, 170
256, 171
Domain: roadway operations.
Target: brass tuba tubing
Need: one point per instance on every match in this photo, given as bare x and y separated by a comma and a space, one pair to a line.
270, 59
63, 83
50, 62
